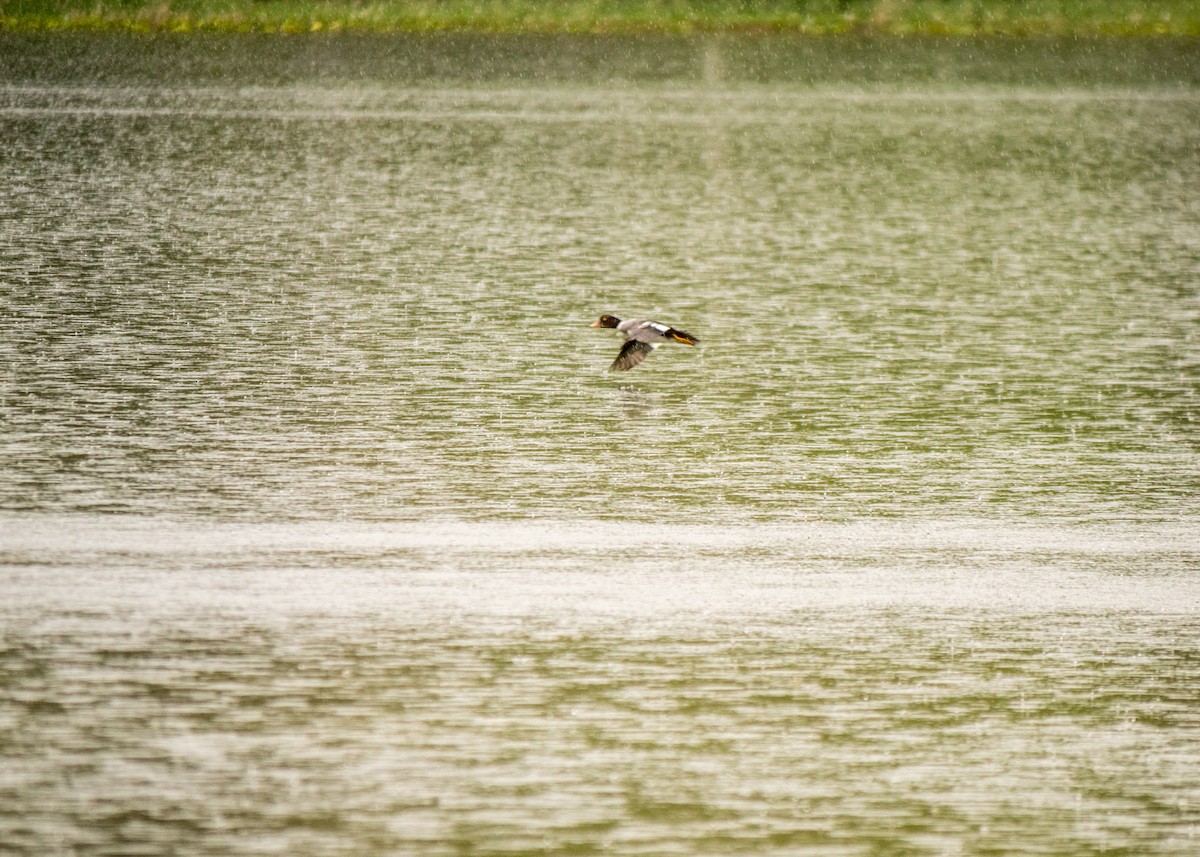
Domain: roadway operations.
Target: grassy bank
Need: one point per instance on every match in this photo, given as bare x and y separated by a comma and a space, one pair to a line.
931, 17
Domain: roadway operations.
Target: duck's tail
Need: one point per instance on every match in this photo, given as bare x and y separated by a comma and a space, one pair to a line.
682, 336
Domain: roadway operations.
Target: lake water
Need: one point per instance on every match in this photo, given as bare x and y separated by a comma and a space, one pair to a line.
323, 529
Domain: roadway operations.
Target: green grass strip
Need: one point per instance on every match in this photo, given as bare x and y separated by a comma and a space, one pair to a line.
894, 17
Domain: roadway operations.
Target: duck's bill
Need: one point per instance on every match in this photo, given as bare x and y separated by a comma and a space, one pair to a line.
595, 323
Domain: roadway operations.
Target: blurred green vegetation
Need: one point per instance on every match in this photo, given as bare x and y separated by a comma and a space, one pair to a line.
899, 17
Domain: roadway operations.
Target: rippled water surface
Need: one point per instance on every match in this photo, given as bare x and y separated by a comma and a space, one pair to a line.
323, 529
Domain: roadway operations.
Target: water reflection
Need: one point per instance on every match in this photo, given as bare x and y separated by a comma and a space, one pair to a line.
637, 404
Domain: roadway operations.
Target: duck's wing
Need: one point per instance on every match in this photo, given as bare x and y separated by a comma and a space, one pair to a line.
633, 352
648, 331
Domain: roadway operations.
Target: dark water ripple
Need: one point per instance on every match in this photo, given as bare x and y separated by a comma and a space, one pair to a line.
822, 732
969, 301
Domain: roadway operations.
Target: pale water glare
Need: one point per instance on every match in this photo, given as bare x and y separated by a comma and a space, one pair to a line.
323, 529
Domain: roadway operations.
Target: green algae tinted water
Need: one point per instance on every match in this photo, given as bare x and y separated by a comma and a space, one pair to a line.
323, 529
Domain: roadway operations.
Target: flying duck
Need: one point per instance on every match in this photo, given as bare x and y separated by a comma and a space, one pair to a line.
641, 337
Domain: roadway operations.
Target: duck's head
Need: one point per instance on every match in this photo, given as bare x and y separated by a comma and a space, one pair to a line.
606, 321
